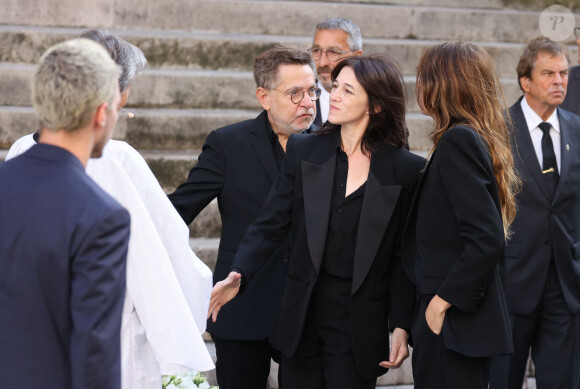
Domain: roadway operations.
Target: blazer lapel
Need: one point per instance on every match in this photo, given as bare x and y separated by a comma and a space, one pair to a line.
262, 146
567, 150
525, 147
318, 178
378, 205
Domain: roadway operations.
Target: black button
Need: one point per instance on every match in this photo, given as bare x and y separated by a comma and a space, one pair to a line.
339, 210
285, 258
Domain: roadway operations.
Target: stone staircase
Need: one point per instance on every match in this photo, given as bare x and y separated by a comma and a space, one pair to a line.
200, 57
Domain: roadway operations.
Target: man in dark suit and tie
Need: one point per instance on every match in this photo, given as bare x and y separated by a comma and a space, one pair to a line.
572, 101
238, 165
541, 268
334, 39
64, 240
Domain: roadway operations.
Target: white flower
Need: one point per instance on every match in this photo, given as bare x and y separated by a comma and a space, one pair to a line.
171, 386
187, 384
204, 385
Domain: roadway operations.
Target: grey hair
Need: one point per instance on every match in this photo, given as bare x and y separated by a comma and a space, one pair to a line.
352, 30
266, 64
72, 80
128, 56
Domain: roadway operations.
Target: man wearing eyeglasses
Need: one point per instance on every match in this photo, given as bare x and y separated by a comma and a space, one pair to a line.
334, 39
238, 165
572, 101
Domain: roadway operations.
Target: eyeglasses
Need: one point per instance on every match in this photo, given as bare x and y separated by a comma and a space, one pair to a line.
577, 32
331, 54
296, 95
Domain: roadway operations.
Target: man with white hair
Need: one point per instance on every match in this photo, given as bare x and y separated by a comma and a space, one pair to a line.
334, 39
64, 240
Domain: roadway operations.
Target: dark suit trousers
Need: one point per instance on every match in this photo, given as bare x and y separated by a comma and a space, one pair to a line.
325, 357
243, 364
435, 367
550, 331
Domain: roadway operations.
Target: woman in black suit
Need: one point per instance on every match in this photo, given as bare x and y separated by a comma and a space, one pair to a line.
343, 195
459, 221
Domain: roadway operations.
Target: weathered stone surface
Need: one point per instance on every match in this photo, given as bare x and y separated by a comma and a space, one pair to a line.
58, 12
206, 249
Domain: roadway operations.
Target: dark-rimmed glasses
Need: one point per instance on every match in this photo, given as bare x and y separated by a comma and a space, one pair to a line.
296, 95
331, 54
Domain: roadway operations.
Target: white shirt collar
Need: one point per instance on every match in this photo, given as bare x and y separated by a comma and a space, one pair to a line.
533, 120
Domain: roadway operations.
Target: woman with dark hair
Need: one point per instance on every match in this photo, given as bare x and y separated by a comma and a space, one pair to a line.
459, 221
342, 195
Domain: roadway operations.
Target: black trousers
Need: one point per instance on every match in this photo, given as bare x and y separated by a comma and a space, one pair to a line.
243, 364
325, 357
435, 367
551, 333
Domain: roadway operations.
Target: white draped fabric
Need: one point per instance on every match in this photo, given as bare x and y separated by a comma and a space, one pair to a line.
168, 286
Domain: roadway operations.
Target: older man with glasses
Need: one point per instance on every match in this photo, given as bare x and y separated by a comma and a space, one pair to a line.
334, 39
572, 101
238, 165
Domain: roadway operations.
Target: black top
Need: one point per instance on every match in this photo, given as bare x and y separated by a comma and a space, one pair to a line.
338, 259
276, 146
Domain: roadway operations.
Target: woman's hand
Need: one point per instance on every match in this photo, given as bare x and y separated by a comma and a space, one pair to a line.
399, 349
222, 293
435, 313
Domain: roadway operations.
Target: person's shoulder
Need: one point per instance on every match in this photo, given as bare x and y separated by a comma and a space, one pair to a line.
405, 162
240, 128
20, 146
460, 135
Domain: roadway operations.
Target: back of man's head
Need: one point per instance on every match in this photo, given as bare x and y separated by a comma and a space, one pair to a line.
266, 64
72, 80
352, 30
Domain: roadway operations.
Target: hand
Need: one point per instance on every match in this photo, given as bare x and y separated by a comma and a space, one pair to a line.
399, 349
222, 293
435, 313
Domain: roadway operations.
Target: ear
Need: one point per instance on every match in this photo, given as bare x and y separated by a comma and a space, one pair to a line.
525, 83
100, 116
263, 96
376, 109
357, 52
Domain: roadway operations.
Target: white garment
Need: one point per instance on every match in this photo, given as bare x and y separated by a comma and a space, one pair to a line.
168, 287
533, 121
324, 103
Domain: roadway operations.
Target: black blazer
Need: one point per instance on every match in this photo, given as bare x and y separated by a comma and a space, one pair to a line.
542, 223
237, 165
454, 240
63, 256
299, 202
572, 101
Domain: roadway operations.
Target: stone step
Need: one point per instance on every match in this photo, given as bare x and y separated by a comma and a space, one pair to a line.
235, 51
185, 88
167, 129
206, 249
377, 20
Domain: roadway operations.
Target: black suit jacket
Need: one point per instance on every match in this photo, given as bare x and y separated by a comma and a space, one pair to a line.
62, 274
299, 202
541, 222
572, 101
454, 240
237, 165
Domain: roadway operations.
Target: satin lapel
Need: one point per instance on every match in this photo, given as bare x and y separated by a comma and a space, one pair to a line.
378, 205
262, 146
567, 151
317, 179
525, 147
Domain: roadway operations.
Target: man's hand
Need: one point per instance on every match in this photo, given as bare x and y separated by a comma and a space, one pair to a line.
222, 293
399, 349
435, 313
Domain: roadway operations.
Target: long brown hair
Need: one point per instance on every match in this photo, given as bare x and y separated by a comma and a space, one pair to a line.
457, 85
382, 81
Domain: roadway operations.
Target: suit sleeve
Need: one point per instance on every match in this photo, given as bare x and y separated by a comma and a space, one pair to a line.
205, 180
468, 180
97, 295
273, 223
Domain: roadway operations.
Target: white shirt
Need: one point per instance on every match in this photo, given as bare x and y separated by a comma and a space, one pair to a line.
324, 103
533, 120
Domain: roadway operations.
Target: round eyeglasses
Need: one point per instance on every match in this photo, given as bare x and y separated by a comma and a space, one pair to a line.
296, 95
331, 54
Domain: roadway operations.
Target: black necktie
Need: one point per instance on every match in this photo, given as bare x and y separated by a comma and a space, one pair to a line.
549, 165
